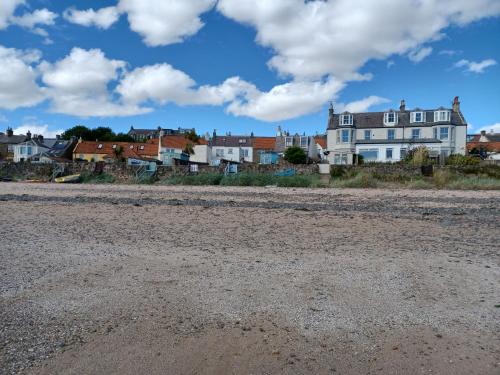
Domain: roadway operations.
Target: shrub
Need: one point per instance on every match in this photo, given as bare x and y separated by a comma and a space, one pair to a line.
337, 171
295, 155
475, 183
361, 180
418, 156
103, 178
442, 178
462, 160
294, 181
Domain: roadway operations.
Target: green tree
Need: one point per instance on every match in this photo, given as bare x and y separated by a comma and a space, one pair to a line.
118, 151
192, 136
102, 133
189, 149
78, 131
123, 137
295, 155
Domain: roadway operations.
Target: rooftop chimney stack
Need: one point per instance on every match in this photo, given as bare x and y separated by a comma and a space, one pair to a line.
28, 135
10, 132
402, 106
456, 105
330, 110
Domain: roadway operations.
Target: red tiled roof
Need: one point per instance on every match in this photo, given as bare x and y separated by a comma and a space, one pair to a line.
179, 141
489, 146
321, 141
264, 143
133, 150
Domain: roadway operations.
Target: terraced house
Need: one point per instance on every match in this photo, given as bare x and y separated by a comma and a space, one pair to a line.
388, 136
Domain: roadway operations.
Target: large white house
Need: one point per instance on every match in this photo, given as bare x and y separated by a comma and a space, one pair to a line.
388, 136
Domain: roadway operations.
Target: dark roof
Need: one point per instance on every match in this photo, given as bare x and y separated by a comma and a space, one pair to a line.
493, 137
142, 131
376, 119
232, 141
15, 139
393, 141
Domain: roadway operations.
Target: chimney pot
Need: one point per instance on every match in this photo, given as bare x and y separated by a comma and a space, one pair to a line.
402, 106
483, 132
456, 104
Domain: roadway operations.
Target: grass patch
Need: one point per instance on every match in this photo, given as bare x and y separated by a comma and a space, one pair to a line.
474, 183
102, 178
244, 179
361, 180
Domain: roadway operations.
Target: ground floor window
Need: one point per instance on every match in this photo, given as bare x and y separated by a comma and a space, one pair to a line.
369, 154
340, 159
403, 153
388, 153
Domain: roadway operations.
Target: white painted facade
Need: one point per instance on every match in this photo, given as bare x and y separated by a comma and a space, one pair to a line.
232, 153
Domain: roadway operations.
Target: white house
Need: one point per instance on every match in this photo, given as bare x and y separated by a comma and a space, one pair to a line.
43, 150
232, 147
173, 146
388, 136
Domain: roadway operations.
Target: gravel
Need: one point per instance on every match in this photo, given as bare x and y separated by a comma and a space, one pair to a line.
118, 279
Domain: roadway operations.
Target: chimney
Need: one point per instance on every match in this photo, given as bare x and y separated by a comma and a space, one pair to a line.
10, 132
214, 134
330, 110
483, 132
279, 133
40, 138
28, 135
58, 137
402, 106
456, 105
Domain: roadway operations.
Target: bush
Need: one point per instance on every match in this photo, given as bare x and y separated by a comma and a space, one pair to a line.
102, 178
337, 171
475, 183
295, 155
442, 178
361, 180
462, 160
418, 156
294, 181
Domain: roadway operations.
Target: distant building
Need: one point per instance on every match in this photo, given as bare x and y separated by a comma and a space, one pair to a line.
108, 151
234, 148
142, 135
7, 143
487, 145
388, 136
38, 149
172, 148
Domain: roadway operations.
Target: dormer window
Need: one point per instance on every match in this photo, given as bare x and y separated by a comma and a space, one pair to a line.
99, 146
141, 148
417, 117
114, 147
345, 120
440, 116
390, 118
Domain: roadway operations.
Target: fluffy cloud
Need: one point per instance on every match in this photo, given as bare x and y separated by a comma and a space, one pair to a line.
40, 129
78, 84
361, 105
38, 17
286, 101
418, 55
165, 22
495, 128
7, 8
18, 86
339, 37
475, 67
102, 18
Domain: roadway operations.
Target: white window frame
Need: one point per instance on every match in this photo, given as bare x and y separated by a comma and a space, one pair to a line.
229, 151
345, 120
367, 133
342, 136
413, 117
219, 152
393, 134
99, 146
302, 138
386, 118
288, 141
447, 133
442, 116
419, 133
392, 153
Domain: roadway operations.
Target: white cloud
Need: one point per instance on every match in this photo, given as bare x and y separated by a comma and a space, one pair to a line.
494, 127
39, 129
418, 55
475, 67
18, 86
390, 64
449, 52
339, 37
103, 18
165, 22
7, 8
38, 17
286, 101
78, 84
362, 105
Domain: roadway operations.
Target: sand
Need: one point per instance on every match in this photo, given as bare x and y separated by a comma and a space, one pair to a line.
120, 279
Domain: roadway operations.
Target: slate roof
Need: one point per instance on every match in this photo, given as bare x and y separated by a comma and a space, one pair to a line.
376, 119
14, 140
231, 141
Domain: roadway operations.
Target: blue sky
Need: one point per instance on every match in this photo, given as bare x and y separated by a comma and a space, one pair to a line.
242, 66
